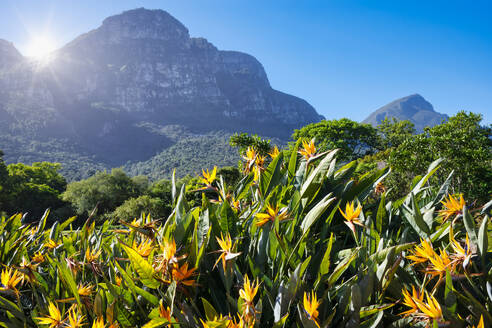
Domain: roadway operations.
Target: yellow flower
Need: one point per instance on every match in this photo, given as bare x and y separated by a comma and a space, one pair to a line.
421, 254
75, 320
168, 255
234, 203
250, 155
38, 257
352, 216
10, 279
91, 256
461, 255
54, 319
236, 324
270, 215
99, 323
480, 323
164, 312
439, 264
260, 161
226, 250
118, 280
452, 206
144, 248
182, 275
311, 305
250, 158
409, 300
85, 290
308, 149
51, 244
431, 309
208, 177
136, 223
274, 153
248, 293
217, 322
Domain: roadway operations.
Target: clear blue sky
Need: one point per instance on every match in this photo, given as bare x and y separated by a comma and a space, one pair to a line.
347, 58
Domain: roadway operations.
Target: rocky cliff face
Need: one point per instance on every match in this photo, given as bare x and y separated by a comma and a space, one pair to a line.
413, 108
141, 66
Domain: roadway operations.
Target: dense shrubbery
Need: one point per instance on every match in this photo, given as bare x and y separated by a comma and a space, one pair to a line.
297, 242
462, 142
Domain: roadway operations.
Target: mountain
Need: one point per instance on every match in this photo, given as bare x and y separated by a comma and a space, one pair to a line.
413, 108
105, 94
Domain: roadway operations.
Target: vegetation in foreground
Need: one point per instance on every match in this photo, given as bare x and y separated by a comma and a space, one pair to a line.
297, 242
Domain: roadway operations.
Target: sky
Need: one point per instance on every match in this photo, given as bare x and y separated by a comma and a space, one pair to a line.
346, 58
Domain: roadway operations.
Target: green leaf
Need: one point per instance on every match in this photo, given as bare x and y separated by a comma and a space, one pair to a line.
325, 262
449, 296
293, 160
210, 312
341, 267
68, 280
372, 309
316, 212
314, 181
134, 288
156, 322
143, 268
483, 238
470, 226
272, 175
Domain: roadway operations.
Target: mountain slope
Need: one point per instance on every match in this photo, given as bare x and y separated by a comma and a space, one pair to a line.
413, 108
100, 91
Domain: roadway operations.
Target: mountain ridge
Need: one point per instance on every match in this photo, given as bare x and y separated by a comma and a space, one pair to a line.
413, 108
99, 90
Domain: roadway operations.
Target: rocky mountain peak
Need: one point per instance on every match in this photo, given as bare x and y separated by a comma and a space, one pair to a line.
8, 54
144, 24
412, 104
413, 108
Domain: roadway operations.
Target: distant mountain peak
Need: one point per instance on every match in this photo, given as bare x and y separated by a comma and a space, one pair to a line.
414, 108
143, 23
8, 54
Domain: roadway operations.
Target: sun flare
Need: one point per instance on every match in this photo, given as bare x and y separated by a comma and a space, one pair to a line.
40, 47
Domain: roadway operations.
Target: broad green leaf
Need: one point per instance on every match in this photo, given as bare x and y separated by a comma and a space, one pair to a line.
313, 183
325, 263
316, 212
341, 267
134, 288
470, 226
272, 175
142, 267
210, 312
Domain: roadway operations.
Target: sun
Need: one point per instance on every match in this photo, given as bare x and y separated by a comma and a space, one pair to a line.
40, 46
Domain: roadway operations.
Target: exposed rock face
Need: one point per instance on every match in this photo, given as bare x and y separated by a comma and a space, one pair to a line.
9, 55
413, 108
142, 66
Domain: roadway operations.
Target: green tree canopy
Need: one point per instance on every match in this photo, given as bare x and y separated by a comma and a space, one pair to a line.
244, 140
104, 190
354, 139
134, 207
393, 132
34, 188
464, 145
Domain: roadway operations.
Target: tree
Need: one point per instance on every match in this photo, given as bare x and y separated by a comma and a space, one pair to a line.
3, 183
34, 188
105, 190
393, 133
244, 140
354, 139
134, 207
464, 145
